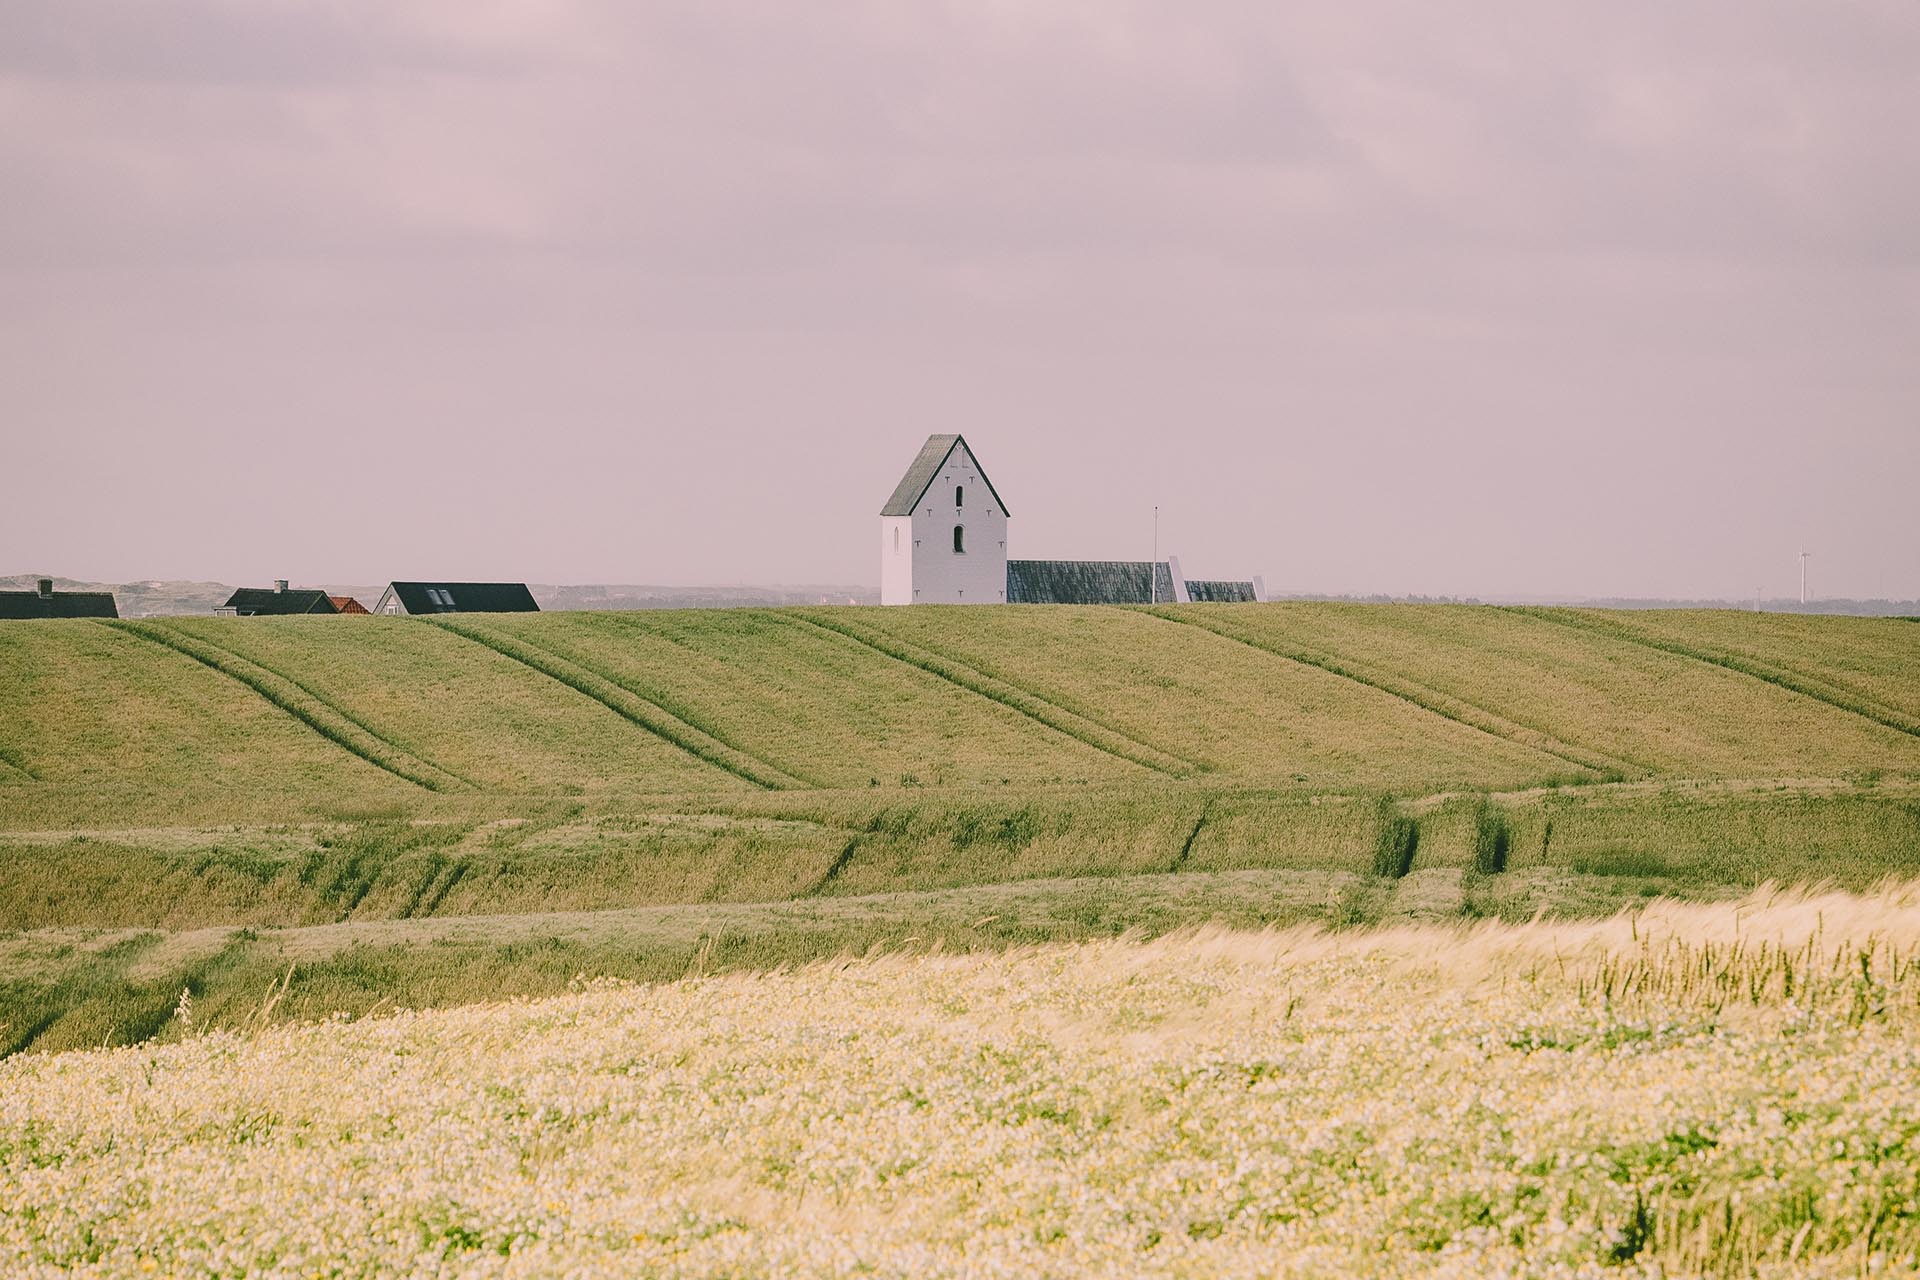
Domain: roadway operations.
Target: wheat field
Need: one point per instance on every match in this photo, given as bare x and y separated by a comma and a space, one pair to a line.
272, 720
1681, 1090
478, 806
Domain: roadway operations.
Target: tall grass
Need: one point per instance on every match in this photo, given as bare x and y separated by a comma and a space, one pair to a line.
1492, 838
1396, 839
1691, 1090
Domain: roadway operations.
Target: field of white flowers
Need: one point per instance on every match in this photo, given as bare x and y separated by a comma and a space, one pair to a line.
1731, 1089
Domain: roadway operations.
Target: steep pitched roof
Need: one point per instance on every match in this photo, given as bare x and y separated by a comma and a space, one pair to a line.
1088, 582
347, 604
933, 456
61, 604
251, 602
467, 597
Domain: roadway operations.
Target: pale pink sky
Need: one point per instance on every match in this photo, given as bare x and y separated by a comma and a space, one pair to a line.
1489, 298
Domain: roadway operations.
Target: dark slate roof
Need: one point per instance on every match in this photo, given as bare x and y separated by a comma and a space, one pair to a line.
61, 604
1086, 582
250, 602
468, 597
1213, 592
933, 455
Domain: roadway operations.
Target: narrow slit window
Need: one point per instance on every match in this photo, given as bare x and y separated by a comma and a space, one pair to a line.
959, 539
896, 542
959, 495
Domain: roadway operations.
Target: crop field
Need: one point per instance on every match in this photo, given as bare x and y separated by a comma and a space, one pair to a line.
364, 812
1684, 1090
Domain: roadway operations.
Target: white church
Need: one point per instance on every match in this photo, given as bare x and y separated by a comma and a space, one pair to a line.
943, 540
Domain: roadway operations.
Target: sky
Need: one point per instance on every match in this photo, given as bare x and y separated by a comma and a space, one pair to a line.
1498, 298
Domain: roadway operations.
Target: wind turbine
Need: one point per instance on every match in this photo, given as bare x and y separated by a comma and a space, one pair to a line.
1804, 553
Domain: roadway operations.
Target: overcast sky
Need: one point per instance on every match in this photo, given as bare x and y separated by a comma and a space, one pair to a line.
1485, 298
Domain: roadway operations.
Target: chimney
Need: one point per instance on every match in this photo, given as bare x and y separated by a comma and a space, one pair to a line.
279, 585
45, 587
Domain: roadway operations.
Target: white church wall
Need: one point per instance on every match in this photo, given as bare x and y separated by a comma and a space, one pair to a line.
896, 560
952, 548
959, 498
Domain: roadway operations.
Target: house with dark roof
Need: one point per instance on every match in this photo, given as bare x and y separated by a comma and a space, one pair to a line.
1090, 582
260, 602
456, 597
1216, 591
943, 540
44, 602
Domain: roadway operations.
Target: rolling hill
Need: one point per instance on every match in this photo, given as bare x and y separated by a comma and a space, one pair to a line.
185, 802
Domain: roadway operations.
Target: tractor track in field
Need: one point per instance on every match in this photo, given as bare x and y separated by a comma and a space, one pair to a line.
636, 710
1445, 705
10, 763
333, 706
841, 861
1082, 729
674, 707
1838, 697
343, 732
1186, 846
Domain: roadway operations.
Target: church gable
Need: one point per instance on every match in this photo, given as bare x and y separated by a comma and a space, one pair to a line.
934, 456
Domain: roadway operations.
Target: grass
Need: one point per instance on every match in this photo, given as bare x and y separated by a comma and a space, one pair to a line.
174, 779
210, 720
1641, 711
417, 911
1396, 840
1721, 1089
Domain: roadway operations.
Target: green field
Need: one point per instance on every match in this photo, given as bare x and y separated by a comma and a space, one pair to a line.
432, 811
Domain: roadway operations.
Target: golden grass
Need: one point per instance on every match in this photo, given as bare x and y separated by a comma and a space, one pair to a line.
1684, 1090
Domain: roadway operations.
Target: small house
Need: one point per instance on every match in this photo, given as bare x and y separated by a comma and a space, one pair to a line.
260, 602
44, 602
456, 597
1121, 582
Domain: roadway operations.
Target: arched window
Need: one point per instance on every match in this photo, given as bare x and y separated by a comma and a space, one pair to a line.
959, 539
959, 496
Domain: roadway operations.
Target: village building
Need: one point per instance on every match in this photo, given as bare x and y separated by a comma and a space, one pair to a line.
943, 533
44, 602
1090, 582
456, 597
347, 604
943, 540
260, 602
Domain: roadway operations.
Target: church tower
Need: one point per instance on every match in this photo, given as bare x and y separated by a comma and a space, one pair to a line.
943, 534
